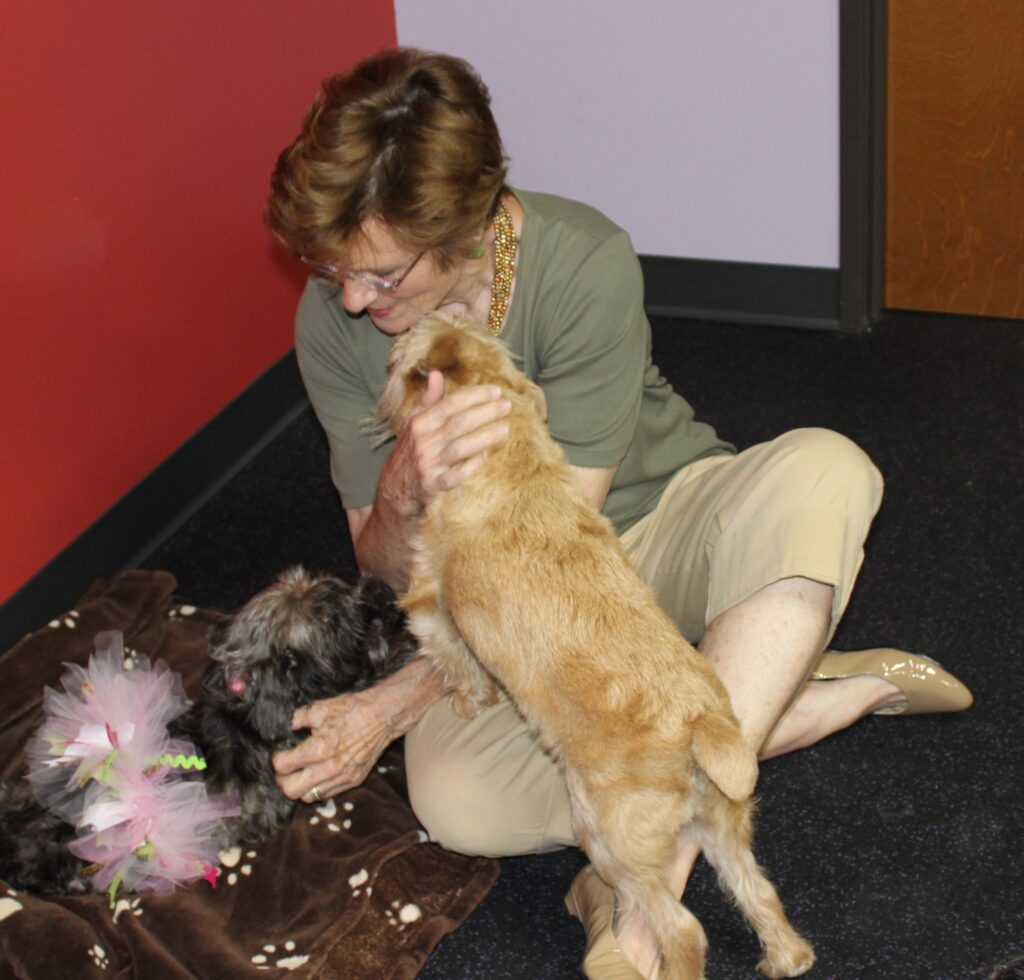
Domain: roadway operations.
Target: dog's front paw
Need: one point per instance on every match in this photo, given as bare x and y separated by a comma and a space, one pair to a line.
464, 705
488, 694
469, 699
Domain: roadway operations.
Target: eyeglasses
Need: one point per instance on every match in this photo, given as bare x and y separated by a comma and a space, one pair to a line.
363, 278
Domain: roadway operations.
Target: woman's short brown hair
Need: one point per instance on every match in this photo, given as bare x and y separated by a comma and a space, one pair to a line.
406, 137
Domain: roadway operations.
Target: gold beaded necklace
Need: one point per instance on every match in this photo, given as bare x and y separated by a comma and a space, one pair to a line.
504, 267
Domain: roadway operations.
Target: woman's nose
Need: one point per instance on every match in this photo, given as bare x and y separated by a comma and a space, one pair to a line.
356, 296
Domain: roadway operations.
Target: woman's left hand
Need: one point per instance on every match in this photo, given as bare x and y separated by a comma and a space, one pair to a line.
348, 733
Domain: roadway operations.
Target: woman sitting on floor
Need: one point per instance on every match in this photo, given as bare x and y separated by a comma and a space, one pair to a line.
395, 194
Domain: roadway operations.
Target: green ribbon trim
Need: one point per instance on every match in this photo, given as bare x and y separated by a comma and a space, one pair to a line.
181, 761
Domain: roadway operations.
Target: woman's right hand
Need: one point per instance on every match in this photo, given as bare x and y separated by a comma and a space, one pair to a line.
445, 442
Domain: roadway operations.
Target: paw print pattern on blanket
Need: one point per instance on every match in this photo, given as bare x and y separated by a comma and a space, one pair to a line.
9, 905
99, 956
130, 905
70, 620
181, 612
404, 915
230, 859
329, 811
264, 960
356, 882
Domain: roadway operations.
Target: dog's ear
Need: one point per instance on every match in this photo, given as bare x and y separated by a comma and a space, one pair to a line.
450, 355
414, 384
726, 757
443, 355
219, 636
272, 707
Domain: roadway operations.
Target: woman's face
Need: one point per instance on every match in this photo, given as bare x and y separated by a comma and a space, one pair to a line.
423, 290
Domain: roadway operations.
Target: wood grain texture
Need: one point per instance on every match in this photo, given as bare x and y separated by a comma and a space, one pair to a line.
955, 157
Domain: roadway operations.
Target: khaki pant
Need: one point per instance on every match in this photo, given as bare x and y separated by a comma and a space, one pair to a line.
724, 528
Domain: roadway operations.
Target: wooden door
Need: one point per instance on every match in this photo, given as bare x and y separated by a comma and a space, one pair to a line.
954, 208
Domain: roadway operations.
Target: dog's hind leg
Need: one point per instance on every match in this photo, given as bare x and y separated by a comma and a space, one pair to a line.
470, 686
630, 838
676, 930
724, 831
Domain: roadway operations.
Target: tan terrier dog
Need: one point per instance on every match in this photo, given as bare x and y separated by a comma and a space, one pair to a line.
516, 578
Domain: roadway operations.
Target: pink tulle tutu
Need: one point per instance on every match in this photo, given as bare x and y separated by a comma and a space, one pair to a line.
102, 760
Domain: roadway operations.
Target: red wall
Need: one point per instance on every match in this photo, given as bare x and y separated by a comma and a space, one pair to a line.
139, 291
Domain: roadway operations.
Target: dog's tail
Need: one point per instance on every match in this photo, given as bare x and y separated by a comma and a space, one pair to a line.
724, 755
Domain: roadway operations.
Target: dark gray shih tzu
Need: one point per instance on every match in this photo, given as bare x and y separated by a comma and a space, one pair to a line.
302, 639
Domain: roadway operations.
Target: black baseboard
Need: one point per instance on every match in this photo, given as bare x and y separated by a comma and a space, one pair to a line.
127, 533
742, 292
156, 507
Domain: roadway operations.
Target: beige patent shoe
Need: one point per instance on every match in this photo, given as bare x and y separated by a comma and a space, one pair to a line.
926, 686
592, 902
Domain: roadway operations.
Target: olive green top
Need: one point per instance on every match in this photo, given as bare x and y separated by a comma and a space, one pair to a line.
576, 326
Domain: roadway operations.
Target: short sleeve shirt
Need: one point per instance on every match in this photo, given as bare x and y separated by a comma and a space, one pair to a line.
576, 326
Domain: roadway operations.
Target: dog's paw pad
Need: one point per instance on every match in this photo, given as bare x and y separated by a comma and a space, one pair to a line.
9, 906
99, 956
265, 959
133, 905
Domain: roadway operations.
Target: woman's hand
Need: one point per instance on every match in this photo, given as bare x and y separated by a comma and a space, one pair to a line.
446, 441
349, 732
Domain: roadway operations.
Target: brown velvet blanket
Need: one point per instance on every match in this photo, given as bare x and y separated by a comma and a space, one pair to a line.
348, 890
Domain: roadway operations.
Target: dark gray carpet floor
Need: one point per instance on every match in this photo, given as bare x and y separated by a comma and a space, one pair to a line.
896, 845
